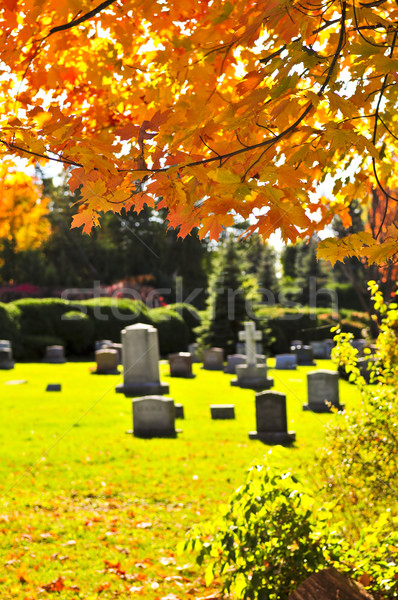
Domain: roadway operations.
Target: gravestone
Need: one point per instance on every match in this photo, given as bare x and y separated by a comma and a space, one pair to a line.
193, 349
53, 387
359, 345
54, 354
213, 359
154, 416
179, 411
180, 364
222, 411
107, 361
100, 344
252, 375
321, 349
140, 351
305, 355
271, 419
295, 343
285, 361
233, 360
323, 391
6, 359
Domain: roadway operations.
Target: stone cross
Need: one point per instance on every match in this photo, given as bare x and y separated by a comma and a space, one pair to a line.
250, 336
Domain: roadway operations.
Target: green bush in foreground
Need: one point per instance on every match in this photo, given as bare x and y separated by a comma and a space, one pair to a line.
268, 539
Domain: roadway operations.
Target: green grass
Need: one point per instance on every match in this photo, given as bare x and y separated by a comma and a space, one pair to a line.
93, 512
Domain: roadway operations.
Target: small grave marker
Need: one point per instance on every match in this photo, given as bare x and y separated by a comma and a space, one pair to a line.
53, 387
222, 411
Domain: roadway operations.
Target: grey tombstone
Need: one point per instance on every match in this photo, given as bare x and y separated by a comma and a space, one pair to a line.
154, 416
53, 387
359, 345
6, 359
305, 355
222, 411
251, 375
285, 361
213, 359
107, 361
233, 360
180, 364
319, 349
271, 419
140, 352
179, 411
323, 391
100, 344
54, 354
193, 349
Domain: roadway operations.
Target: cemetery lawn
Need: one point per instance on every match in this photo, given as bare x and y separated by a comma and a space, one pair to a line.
88, 511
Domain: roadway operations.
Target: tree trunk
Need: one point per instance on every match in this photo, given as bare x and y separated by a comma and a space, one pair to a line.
330, 585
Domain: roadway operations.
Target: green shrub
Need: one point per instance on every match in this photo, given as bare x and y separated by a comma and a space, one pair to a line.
190, 316
172, 329
9, 322
33, 347
77, 331
41, 316
267, 540
111, 315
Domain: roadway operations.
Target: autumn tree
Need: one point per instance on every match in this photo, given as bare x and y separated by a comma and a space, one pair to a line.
24, 221
209, 109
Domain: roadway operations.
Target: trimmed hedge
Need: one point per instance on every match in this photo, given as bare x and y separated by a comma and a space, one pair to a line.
32, 324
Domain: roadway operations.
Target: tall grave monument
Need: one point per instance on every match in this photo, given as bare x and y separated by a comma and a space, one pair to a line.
140, 354
251, 375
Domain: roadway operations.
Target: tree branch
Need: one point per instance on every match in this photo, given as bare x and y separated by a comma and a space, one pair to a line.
81, 19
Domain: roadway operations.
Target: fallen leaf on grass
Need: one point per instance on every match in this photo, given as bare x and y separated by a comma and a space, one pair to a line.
54, 586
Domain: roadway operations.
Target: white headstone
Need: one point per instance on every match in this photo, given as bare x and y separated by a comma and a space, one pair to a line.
140, 354
250, 336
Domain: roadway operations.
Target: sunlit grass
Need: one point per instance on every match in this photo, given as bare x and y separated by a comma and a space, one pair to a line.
84, 501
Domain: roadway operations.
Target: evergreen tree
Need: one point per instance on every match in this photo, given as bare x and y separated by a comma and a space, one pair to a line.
227, 308
267, 278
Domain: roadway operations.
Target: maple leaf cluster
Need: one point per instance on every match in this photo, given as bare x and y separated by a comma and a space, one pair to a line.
210, 109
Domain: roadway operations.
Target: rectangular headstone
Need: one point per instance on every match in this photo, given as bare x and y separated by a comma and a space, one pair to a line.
271, 419
323, 391
54, 354
180, 364
305, 355
285, 361
213, 359
154, 416
233, 360
107, 361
